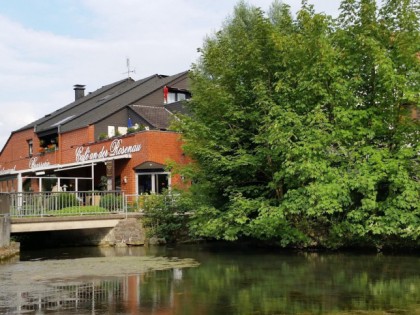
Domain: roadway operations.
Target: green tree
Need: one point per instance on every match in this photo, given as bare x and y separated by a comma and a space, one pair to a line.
299, 128
165, 215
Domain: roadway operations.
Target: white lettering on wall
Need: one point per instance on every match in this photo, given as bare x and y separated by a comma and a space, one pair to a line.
4, 171
83, 155
33, 163
115, 148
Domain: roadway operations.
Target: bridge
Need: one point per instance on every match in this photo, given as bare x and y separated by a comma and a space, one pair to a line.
55, 211
43, 224
62, 211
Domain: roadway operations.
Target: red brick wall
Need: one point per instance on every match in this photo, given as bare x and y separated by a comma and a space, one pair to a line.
16, 151
157, 146
71, 140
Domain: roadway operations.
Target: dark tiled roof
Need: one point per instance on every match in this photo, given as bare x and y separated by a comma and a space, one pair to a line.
132, 94
177, 107
157, 117
62, 115
104, 102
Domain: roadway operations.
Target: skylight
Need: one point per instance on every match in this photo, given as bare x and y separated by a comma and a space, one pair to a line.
63, 120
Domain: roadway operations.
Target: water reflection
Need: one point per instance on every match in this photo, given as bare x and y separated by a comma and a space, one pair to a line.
131, 294
226, 282
107, 296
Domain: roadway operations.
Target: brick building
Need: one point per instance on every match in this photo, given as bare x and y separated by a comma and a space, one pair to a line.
115, 138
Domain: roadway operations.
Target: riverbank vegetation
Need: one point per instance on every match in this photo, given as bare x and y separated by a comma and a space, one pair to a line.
166, 216
303, 128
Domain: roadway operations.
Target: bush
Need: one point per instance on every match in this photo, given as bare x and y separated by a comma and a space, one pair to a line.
111, 202
103, 136
166, 216
131, 129
62, 200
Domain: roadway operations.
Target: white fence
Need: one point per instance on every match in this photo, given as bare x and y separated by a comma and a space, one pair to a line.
67, 203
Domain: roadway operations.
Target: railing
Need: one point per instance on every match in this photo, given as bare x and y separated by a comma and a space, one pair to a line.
66, 203
4, 204
136, 203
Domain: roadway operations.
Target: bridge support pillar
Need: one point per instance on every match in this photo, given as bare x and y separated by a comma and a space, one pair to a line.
4, 220
4, 230
6, 248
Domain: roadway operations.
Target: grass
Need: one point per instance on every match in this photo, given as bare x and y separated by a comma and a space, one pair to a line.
78, 210
67, 211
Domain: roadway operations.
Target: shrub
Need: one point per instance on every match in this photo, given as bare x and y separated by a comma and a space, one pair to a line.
62, 200
111, 202
131, 129
165, 216
140, 127
103, 136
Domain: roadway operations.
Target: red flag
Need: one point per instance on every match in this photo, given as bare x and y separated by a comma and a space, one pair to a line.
165, 94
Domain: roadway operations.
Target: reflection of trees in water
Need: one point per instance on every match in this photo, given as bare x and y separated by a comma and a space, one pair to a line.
285, 284
307, 283
240, 283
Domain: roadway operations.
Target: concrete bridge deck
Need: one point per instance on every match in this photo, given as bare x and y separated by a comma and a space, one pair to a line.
59, 223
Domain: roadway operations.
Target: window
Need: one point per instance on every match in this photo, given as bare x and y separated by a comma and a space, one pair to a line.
153, 183
171, 97
176, 97
49, 142
122, 130
30, 147
111, 131
181, 96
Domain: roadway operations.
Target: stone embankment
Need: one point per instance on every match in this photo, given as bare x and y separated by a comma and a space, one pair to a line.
9, 251
128, 232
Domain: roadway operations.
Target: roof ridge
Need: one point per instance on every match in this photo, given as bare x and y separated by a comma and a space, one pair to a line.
118, 93
166, 80
73, 104
140, 105
106, 101
100, 102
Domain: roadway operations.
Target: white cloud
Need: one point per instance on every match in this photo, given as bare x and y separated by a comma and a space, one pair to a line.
39, 68
18, 115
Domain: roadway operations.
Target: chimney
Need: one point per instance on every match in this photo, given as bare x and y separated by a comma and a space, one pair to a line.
79, 91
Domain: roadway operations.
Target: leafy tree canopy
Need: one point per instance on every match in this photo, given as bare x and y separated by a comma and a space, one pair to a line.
301, 127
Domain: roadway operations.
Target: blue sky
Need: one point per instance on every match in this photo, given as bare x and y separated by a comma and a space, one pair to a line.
61, 17
47, 46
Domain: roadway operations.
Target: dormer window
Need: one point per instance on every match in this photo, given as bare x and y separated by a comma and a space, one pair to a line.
48, 143
173, 95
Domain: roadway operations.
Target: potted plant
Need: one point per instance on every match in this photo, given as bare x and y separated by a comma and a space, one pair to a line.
103, 136
131, 129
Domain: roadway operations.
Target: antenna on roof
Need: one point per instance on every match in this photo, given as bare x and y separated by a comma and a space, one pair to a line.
128, 69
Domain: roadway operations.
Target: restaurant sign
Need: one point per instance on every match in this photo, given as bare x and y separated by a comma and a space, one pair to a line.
33, 163
4, 171
115, 148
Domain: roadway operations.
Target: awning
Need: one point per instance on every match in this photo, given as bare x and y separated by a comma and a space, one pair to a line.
74, 165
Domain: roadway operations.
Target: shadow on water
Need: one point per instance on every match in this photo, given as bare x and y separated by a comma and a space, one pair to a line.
228, 280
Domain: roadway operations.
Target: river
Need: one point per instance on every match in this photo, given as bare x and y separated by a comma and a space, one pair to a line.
207, 279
